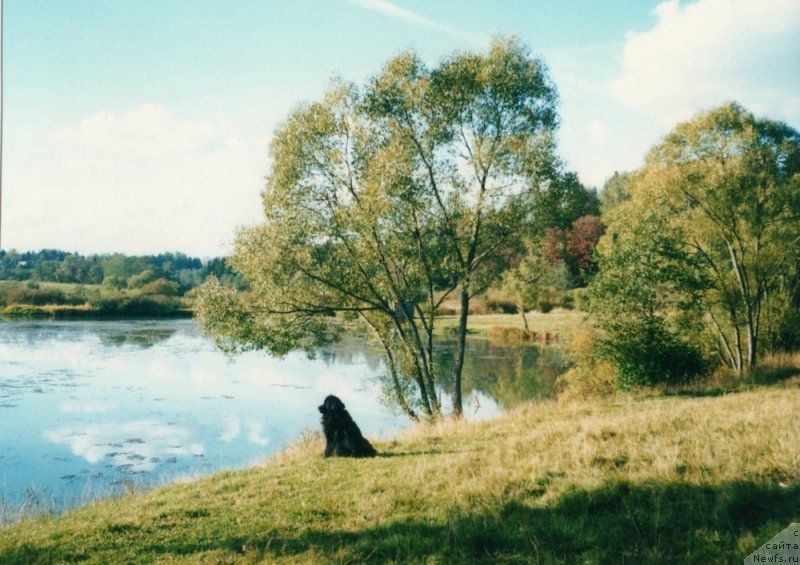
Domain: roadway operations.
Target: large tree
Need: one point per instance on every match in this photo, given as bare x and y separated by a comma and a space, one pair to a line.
728, 184
384, 200
732, 182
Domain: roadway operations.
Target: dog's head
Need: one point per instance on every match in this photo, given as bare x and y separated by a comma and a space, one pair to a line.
331, 404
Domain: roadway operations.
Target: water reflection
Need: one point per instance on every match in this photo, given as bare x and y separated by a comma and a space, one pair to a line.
135, 447
145, 337
508, 373
86, 407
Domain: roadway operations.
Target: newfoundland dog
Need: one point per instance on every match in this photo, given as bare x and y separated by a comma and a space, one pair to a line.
342, 436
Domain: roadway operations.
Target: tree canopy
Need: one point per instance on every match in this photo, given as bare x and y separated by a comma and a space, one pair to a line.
726, 186
384, 200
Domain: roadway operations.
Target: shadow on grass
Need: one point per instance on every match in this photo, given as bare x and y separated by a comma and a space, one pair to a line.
712, 392
620, 522
761, 377
423, 453
765, 376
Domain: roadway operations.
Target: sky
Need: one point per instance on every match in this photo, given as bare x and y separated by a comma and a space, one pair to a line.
142, 126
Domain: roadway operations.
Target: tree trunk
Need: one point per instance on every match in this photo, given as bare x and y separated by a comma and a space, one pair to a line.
392, 365
458, 409
739, 359
427, 368
524, 317
753, 323
400, 398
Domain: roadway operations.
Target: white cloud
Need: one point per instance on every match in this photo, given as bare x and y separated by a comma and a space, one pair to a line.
138, 181
702, 54
395, 11
149, 130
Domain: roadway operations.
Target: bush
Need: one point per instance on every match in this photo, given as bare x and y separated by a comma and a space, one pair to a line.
647, 356
477, 306
580, 299
787, 334
24, 311
141, 279
590, 376
163, 287
446, 310
502, 334
41, 297
501, 306
138, 306
115, 282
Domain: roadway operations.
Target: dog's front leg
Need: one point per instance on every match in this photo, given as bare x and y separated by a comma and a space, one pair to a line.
333, 441
330, 441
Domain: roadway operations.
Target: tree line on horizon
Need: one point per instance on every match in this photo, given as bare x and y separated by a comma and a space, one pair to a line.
172, 273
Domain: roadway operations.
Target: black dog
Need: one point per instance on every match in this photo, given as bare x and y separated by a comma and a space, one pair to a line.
342, 436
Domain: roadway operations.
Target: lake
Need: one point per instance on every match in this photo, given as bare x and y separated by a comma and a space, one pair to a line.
93, 408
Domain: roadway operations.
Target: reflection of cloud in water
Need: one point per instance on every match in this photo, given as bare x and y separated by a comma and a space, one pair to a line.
73, 407
256, 434
480, 406
231, 430
348, 383
133, 446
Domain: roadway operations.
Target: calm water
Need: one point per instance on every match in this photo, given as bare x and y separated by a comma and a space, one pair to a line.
89, 408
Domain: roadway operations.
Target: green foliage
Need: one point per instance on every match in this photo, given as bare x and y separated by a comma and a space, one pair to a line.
136, 306
123, 266
37, 297
615, 191
703, 241
117, 271
730, 184
645, 299
164, 287
559, 203
382, 201
648, 354
552, 264
141, 279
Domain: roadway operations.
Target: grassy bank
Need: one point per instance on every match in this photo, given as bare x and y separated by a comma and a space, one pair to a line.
64, 300
660, 479
559, 325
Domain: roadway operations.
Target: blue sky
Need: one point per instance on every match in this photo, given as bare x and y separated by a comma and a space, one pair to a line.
142, 126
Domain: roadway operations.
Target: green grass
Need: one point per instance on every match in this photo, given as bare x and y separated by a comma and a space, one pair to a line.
559, 323
656, 479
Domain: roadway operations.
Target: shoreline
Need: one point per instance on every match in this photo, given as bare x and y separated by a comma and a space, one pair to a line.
621, 471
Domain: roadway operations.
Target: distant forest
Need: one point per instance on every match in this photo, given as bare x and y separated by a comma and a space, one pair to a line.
117, 271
